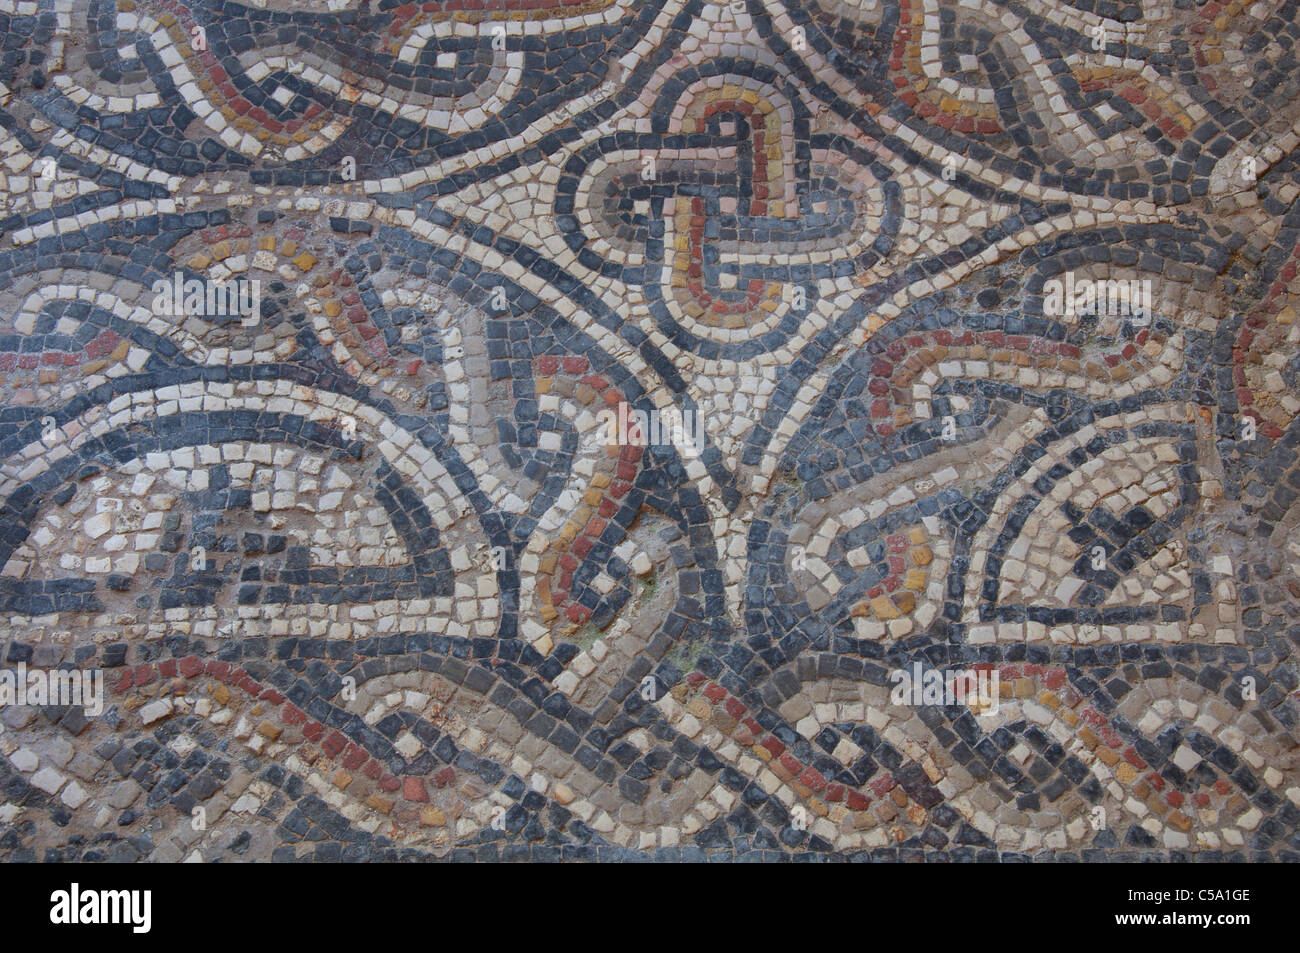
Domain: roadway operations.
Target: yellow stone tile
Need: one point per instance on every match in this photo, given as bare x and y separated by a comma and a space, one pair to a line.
432, 817
699, 707
884, 608
381, 804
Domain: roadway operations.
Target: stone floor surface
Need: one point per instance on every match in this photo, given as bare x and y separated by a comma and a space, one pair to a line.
602, 429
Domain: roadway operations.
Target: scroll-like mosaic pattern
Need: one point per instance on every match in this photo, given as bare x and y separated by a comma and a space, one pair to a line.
587, 430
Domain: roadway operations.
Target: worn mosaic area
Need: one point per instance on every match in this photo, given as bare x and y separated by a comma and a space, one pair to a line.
368, 577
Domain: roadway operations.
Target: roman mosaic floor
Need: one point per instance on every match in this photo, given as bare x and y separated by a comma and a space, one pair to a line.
606, 430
